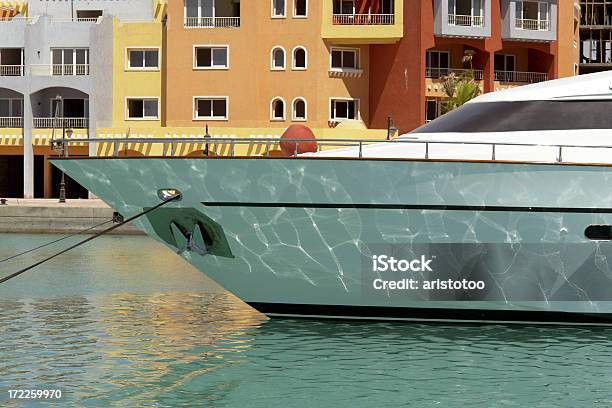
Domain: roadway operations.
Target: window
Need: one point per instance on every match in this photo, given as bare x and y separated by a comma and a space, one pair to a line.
344, 7
277, 109
299, 109
300, 8
211, 57
599, 232
343, 109
533, 15
467, 13
11, 108
344, 59
437, 63
504, 62
70, 61
212, 108
142, 59
278, 58
299, 58
279, 8
211, 13
432, 109
88, 15
143, 108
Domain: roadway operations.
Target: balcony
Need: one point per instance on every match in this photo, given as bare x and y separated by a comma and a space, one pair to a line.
436, 73
520, 77
59, 69
11, 122
344, 23
525, 20
11, 70
363, 19
462, 18
212, 22
465, 20
58, 123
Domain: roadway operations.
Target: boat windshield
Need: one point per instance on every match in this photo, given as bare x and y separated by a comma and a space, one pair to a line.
516, 116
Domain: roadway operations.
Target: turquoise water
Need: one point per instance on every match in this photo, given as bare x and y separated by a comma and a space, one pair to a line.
123, 322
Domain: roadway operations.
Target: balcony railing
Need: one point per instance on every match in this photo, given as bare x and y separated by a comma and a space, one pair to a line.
11, 70
535, 25
363, 19
212, 22
442, 72
518, 76
465, 21
77, 20
57, 123
11, 122
59, 69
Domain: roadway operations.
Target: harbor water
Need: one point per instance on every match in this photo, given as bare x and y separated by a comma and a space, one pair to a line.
122, 321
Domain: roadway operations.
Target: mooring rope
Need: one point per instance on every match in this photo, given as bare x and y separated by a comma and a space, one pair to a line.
91, 238
54, 241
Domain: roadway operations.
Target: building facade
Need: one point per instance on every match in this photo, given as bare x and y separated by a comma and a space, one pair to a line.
595, 36
344, 68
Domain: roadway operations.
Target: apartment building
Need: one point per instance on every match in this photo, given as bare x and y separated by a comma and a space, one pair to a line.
345, 68
595, 36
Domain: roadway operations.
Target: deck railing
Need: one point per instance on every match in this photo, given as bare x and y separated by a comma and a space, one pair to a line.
465, 20
518, 76
11, 70
57, 123
59, 69
11, 122
535, 25
442, 72
422, 149
77, 20
363, 19
212, 22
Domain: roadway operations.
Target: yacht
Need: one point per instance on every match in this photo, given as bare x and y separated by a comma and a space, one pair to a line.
499, 211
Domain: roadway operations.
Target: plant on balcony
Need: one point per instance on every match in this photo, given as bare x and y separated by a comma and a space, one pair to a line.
460, 89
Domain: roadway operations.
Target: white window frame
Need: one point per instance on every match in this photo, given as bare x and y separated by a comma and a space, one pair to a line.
272, 15
438, 103
272, 118
293, 67
210, 118
293, 117
272, 67
341, 99
213, 67
74, 58
144, 98
548, 10
127, 58
506, 62
428, 54
297, 15
472, 8
357, 59
11, 101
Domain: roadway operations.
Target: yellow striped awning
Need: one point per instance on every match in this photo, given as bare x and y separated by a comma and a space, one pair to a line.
11, 8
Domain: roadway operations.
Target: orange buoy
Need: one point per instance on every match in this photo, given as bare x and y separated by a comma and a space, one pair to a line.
298, 132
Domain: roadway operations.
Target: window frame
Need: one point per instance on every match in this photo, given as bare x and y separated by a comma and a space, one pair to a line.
11, 102
300, 15
293, 117
272, 15
144, 98
144, 49
357, 51
272, 67
428, 59
293, 66
343, 99
212, 67
272, 118
210, 118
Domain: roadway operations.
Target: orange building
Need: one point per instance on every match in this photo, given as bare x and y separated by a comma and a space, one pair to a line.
269, 63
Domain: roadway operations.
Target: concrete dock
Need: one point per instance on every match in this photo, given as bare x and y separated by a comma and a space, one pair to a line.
49, 216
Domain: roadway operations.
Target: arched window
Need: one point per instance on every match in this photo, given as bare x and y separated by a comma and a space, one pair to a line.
300, 58
299, 109
277, 109
300, 8
278, 58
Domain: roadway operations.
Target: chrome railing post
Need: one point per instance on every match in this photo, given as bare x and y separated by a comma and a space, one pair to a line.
115, 149
232, 145
493, 153
360, 149
426, 150
295, 152
560, 158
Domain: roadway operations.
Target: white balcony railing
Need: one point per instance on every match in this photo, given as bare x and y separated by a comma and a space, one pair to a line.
363, 19
212, 22
57, 123
442, 72
11, 70
518, 76
77, 20
11, 122
59, 69
535, 25
465, 21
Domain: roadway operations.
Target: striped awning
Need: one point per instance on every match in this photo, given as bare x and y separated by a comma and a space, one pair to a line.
11, 8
